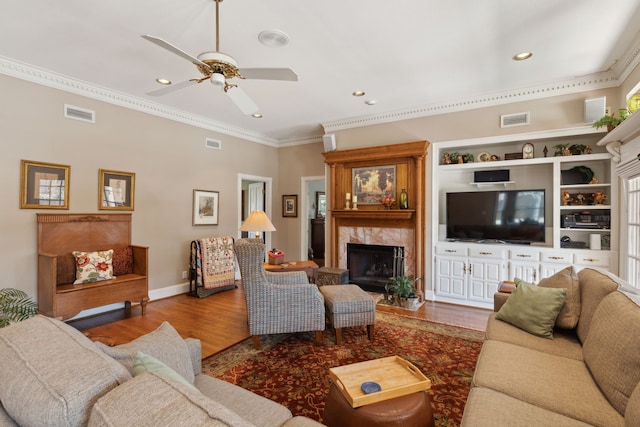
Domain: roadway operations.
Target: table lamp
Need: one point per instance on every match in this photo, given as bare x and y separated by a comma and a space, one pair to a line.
258, 221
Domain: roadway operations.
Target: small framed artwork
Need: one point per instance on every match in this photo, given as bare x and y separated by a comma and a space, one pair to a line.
205, 207
290, 205
116, 190
44, 185
371, 184
321, 204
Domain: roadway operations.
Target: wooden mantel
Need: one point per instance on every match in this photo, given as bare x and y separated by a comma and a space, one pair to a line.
409, 160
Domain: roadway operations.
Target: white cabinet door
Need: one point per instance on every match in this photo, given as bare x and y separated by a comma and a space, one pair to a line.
484, 276
450, 276
527, 271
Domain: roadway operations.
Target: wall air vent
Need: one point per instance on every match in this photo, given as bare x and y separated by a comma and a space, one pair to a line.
518, 119
213, 143
77, 113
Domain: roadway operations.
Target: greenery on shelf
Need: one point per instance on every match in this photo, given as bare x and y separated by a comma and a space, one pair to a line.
610, 122
15, 306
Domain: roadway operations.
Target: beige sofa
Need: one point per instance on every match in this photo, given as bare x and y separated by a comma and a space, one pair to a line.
588, 374
52, 375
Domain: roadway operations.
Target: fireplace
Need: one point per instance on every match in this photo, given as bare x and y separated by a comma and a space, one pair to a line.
371, 266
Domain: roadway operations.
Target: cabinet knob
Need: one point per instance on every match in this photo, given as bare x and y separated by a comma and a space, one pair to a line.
486, 253
556, 257
591, 259
524, 256
451, 251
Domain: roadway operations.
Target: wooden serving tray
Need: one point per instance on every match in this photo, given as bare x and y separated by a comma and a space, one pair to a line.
396, 377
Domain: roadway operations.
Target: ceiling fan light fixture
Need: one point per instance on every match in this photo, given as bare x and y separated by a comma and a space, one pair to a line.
217, 79
162, 81
370, 102
522, 56
273, 38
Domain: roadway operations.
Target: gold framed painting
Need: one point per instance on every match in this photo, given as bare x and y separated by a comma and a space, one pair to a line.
116, 190
44, 185
370, 184
205, 207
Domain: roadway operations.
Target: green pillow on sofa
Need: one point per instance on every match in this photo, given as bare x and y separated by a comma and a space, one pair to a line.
533, 309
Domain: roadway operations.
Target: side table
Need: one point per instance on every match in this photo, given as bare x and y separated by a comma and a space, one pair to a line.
309, 267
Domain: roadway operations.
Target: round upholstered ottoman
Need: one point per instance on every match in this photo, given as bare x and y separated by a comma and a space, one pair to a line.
412, 410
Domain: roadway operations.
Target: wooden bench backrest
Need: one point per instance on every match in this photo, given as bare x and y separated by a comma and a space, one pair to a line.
60, 234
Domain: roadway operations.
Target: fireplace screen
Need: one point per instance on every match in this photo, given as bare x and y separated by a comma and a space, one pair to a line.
371, 266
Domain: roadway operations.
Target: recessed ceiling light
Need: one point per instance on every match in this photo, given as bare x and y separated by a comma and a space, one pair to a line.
256, 116
370, 102
358, 93
162, 81
522, 56
273, 38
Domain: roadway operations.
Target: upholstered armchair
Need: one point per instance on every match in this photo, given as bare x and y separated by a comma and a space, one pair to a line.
277, 302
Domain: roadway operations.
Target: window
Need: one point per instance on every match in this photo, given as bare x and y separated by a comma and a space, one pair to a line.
633, 231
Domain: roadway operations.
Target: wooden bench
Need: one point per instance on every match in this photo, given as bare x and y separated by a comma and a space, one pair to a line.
61, 234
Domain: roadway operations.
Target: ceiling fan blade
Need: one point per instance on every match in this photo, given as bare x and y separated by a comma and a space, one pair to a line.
242, 100
171, 48
269, 74
172, 88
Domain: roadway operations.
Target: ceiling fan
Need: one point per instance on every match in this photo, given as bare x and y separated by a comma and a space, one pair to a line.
219, 68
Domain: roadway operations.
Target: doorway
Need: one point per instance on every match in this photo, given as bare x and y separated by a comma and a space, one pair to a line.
313, 230
255, 193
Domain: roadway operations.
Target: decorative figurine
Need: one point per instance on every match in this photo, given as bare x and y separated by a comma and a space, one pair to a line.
545, 150
599, 197
447, 158
566, 198
580, 199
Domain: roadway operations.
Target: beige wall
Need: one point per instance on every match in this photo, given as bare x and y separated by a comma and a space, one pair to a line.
169, 159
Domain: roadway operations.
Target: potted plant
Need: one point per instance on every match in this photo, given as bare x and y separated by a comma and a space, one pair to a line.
15, 306
610, 122
402, 290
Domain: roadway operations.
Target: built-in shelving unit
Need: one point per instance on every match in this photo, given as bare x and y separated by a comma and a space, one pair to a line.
469, 273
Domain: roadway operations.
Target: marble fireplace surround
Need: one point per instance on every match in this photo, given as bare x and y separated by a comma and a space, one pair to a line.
377, 236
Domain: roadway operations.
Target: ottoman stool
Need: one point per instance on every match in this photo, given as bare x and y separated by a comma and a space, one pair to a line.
348, 305
411, 410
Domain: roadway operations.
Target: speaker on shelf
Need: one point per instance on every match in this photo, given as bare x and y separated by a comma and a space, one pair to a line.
594, 109
500, 175
329, 141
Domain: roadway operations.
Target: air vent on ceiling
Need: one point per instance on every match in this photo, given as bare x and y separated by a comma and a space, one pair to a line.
77, 113
518, 119
213, 143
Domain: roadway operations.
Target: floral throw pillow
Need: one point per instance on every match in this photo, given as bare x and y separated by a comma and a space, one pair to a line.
93, 266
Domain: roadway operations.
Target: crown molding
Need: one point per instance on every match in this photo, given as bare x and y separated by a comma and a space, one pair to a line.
43, 77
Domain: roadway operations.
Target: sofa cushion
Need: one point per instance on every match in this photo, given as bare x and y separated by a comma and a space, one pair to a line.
533, 309
152, 400
632, 414
165, 344
570, 311
93, 266
489, 408
65, 269
122, 261
550, 382
145, 363
612, 348
52, 374
565, 343
594, 286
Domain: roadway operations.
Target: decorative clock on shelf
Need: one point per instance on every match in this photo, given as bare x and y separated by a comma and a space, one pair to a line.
527, 151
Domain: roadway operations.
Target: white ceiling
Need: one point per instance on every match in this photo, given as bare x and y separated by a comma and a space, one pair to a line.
412, 56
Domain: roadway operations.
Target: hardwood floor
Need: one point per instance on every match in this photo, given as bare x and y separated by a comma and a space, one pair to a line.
220, 321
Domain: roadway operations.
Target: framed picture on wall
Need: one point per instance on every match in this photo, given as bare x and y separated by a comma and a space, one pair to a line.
290, 205
205, 207
371, 184
116, 190
44, 185
321, 204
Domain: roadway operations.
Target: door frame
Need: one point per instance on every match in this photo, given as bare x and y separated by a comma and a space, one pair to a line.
304, 223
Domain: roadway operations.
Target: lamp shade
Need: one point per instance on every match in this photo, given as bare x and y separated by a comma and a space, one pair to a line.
257, 221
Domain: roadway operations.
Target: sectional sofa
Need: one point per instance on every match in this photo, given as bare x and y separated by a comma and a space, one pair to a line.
53, 375
586, 373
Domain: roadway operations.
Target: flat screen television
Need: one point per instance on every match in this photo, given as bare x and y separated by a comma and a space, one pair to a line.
510, 216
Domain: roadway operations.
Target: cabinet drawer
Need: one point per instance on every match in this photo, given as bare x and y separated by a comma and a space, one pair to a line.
595, 258
487, 252
559, 257
456, 250
522, 254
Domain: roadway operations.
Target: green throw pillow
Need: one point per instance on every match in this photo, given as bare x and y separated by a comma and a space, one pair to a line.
533, 309
144, 363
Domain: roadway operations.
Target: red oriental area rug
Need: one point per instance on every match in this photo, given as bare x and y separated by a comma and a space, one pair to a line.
292, 371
